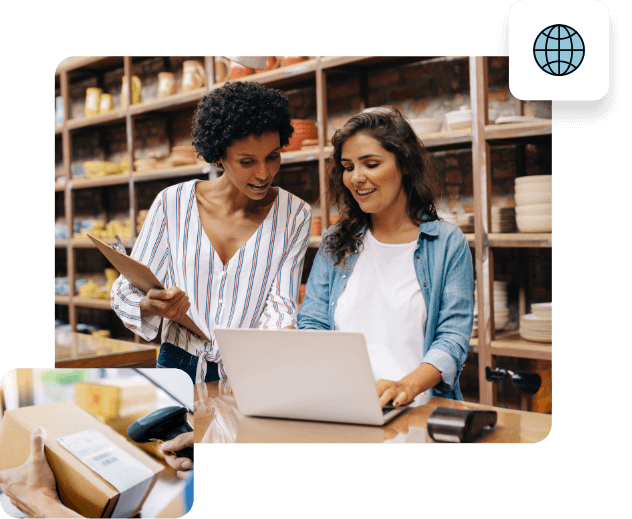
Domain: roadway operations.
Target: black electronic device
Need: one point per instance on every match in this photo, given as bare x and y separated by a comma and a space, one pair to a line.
526, 382
162, 425
446, 424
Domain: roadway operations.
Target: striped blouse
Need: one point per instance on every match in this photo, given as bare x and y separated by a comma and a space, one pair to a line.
257, 288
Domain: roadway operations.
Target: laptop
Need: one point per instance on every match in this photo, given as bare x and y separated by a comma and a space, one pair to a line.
302, 375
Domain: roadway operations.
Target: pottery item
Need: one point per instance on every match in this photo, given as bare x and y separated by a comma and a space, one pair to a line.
293, 60
272, 63
316, 226
222, 69
534, 198
106, 104
542, 310
303, 129
193, 76
534, 179
238, 71
166, 84
534, 210
254, 62
537, 223
423, 125
93, 99
135, 91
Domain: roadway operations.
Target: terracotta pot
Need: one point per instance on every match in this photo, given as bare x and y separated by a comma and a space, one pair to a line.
238, 71
272, 63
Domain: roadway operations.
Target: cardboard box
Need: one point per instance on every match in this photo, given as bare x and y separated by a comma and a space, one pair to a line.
80, 488
108, 397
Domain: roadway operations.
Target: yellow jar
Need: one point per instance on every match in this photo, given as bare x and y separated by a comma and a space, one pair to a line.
93, 101
135, 91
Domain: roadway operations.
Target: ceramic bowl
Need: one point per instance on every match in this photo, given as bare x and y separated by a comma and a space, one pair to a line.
534, 210
423, 125
533, 179
534, 223
535, 198
532, 189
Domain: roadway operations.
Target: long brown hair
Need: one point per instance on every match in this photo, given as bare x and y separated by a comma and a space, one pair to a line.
389, 127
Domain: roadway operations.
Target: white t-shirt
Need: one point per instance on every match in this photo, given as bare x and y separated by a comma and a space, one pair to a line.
383, 300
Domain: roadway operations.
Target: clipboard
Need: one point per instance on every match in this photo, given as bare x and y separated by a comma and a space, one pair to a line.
141, 277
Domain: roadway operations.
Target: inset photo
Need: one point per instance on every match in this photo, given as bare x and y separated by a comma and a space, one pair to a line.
96, 443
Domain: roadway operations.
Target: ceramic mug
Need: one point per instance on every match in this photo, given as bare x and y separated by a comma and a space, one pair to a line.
166, 84
135, 91
93, 99
193, 76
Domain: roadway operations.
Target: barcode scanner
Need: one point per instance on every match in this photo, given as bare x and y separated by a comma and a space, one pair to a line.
162, 425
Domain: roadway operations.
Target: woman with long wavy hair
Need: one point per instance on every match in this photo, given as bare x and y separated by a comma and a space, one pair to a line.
390, 268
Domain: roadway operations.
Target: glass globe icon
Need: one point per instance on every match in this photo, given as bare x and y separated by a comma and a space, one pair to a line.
559, 50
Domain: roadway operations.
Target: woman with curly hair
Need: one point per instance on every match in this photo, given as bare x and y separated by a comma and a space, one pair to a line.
229, 251
390, 268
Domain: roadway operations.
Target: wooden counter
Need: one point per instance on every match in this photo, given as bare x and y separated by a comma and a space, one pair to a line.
217, 420
77, 350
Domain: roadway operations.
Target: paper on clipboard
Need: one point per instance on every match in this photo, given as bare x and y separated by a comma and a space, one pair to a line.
141, 277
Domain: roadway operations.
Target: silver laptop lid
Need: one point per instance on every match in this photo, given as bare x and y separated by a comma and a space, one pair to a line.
301, 374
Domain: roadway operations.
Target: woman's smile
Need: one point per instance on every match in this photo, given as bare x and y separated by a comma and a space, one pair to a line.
260, 186
363, 194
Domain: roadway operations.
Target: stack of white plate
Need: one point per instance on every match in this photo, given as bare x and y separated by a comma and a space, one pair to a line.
465, 222
503, 219
501, 311
533, 203
537, 326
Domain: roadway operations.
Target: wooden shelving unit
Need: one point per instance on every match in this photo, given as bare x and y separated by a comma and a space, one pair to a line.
488, 345
315, 72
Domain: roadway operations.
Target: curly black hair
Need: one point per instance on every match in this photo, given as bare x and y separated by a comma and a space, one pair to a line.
237, 110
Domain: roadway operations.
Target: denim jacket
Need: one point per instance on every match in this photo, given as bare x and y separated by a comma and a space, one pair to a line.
443, 263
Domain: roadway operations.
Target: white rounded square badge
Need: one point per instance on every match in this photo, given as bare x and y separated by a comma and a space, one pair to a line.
559, 50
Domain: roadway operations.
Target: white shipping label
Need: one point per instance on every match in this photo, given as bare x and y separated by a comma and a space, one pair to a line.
124, 472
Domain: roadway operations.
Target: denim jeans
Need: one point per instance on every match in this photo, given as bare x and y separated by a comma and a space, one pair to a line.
173, 357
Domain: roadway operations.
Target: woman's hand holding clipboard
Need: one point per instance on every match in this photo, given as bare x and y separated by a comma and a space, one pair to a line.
144, 279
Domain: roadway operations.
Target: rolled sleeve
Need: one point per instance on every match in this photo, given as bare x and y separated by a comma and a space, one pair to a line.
125, 301
151, 248
445, 364
281, 309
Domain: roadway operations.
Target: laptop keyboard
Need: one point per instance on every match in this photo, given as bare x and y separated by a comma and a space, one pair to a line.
388, 408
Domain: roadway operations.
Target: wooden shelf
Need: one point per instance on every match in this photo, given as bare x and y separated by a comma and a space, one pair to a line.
312, 73
92, 302
510, 344
508, 240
